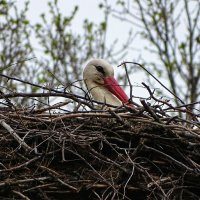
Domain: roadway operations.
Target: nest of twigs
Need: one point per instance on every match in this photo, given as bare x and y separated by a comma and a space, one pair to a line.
125, 153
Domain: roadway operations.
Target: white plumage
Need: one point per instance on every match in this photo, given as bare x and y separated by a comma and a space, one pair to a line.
99, 79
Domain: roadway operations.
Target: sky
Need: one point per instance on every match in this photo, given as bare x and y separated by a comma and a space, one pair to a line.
87, 9
116, 29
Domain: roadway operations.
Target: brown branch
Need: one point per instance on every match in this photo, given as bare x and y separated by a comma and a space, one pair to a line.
171, 158
14, 134
20, 181
56, 176
134, 63
20, 166
150, 111
20, 195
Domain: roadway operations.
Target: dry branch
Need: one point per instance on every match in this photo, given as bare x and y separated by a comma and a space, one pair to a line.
124, 153
14, 134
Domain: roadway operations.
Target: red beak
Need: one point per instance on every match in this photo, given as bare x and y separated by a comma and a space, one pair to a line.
112, 85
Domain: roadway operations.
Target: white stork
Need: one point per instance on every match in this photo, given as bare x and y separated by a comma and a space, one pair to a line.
99, 78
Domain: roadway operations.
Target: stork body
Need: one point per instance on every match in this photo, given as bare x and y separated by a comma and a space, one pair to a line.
99, 79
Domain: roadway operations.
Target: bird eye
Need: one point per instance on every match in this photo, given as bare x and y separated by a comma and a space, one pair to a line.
100, 69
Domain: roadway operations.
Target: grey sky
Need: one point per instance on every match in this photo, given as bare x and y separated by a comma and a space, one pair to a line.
116, 29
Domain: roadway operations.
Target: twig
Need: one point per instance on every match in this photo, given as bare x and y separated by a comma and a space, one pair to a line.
150, 111
20, 166
20, 194
56, 176
129, 81
14, 134
55, 106
171, 158
134, 63
14, 181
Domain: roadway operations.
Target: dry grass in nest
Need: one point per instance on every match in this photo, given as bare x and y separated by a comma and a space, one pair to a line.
98, 155
124, 153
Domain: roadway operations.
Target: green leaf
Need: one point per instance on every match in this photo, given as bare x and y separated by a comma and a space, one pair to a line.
198, 39
3, 3
103, 26
90, 38
66, 21
182, 45
42, 80
89, 27
119, 2
46, 51
57, 20
34, 89
54, 44
55, 2
2, 57
26, 22
38, 26
170, 66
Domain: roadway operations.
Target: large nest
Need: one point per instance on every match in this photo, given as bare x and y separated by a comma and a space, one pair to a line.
123, 153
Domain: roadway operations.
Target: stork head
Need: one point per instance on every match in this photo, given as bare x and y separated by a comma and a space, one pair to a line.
100, 73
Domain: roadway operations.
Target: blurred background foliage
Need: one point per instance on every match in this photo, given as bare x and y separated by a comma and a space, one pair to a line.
60, 53
171, 30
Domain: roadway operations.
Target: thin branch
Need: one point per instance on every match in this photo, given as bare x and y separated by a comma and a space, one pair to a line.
14, 134
134, 63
